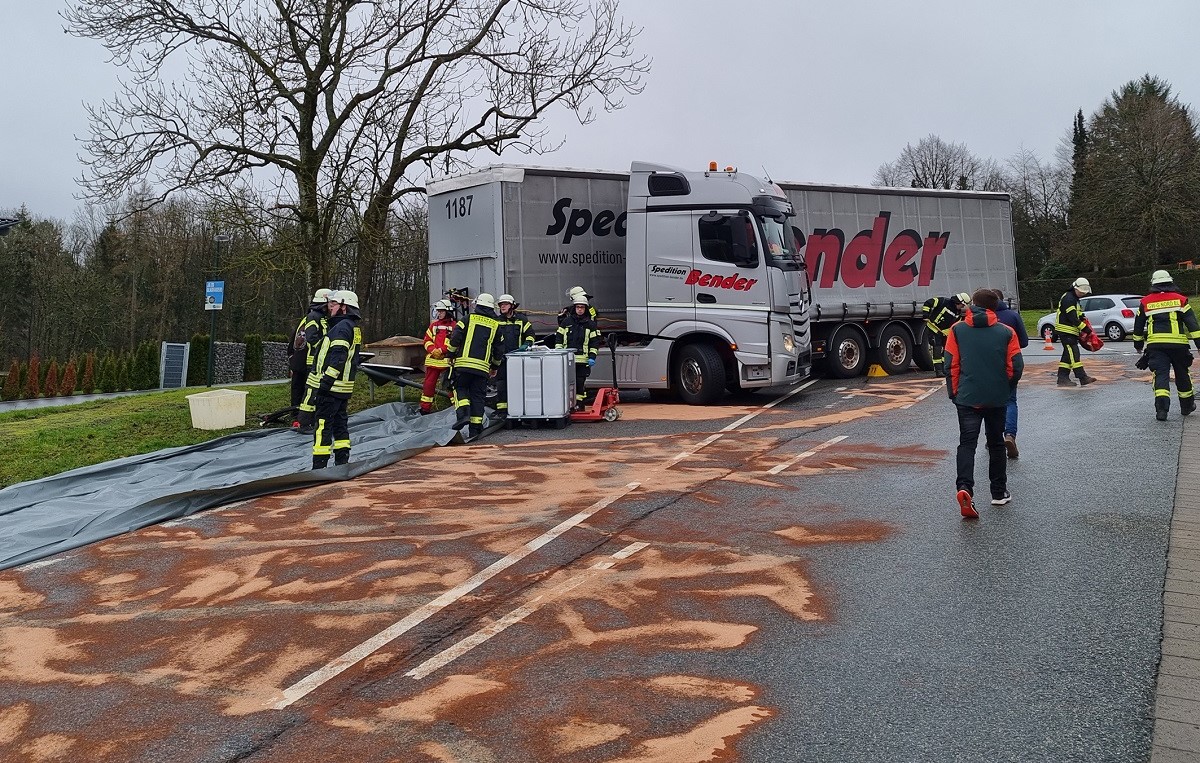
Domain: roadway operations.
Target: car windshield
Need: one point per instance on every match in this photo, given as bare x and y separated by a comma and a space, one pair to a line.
778, 241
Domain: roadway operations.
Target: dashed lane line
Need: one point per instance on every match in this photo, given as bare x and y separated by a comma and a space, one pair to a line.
800, 457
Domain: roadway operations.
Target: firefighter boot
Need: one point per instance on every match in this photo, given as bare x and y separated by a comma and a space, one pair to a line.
1084, 379
1162, 404
341, 456
320, 462
1187, 405
475, 430
1064, 378
464, 417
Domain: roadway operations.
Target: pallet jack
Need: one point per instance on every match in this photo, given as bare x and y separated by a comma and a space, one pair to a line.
604, 407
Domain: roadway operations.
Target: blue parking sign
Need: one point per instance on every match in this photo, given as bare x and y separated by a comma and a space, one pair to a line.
214, 295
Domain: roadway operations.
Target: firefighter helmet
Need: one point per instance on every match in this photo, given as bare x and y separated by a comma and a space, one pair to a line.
322, 295
962, 298
1160, 276
577, 291
443, 304
1083, 285
486, 300
579, 299
506, 298
347, 298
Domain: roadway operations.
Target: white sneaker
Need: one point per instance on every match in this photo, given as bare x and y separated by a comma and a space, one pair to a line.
1002, 499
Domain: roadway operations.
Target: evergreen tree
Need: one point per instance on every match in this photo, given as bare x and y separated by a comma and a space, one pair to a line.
88, 384
66, 387
50, 387
254, 358
33, 375
12, 382
124, 363
107, 377
197, 373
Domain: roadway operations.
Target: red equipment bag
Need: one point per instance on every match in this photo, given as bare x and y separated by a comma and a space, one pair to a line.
1090, 340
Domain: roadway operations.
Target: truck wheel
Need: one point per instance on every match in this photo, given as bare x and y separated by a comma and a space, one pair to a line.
663, 396
699, 375
847, 354
895, 351
923, 356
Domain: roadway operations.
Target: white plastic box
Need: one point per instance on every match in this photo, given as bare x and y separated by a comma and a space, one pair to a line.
218, 409
541, 384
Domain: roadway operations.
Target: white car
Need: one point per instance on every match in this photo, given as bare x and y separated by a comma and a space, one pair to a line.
1111, 315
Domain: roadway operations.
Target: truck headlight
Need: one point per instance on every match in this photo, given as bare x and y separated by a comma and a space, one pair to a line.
789, 344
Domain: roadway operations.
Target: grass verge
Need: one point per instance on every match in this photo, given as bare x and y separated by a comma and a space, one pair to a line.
44, 441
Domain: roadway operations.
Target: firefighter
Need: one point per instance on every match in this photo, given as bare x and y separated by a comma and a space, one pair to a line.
302, 352
332, 380
1164, 325
566, 315
579, 333
475, 347
1067, 324
437, 358
940, 313
516, 333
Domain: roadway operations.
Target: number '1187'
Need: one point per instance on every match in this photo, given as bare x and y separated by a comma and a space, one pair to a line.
460, 207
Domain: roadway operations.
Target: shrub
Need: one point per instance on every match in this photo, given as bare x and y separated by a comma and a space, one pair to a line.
106, 378
33, 377
150, 373
254, 358
12, 382
197, 373
51, 385
88, 385
66, 387
124, 366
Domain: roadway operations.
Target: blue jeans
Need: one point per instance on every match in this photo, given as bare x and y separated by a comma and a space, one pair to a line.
1010, 415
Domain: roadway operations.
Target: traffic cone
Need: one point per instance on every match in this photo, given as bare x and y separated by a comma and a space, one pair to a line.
1049, 344
876, 370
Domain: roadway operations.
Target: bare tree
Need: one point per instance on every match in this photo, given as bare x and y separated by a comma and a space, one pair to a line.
1040, 192
934, 163
338, 108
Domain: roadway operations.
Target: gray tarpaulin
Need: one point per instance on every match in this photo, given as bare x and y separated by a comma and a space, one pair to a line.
85, 505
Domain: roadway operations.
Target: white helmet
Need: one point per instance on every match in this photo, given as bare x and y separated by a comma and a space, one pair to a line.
443, 304
963, 297
1083, 285
1160, 276
506, 298
347, 298
486, 300
576, 292
579, 299
322, 295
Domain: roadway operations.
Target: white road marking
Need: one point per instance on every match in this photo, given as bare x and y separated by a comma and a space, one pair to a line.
796, 459
921, 397
320, 676
40, 563
452, 653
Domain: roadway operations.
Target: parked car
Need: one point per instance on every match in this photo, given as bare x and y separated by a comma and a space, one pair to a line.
1111, 315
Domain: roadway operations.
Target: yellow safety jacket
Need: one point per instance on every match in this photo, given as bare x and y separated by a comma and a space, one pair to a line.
939, 314
1165, 318
1069, 318
336, 364
475, 343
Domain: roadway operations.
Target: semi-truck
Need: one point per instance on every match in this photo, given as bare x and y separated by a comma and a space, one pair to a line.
874, 255
695, 273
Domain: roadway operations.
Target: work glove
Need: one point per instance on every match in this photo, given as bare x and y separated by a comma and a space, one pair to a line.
1142, 363
436, 354
1137, 346
326, 384
525, 347
591, 362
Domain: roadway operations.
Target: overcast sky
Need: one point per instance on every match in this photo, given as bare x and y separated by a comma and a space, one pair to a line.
822, 92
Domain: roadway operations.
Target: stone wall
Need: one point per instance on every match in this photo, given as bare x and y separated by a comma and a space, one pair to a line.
275, 361
229, 363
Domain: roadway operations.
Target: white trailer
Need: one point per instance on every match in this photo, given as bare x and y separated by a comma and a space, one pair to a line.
694, 272
874, 255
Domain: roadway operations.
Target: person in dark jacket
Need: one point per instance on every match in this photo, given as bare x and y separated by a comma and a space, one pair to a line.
475, 347
579, 333
984, 363
1164, 325
302, 352
1011, 318
940, 313
1068, 322
332, 380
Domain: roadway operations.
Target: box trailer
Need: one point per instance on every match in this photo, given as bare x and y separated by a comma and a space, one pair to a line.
874, 255
695, 272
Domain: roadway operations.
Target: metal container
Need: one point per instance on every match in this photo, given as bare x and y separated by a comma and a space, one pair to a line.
541, 385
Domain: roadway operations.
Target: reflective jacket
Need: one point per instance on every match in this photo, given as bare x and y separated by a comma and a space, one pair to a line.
568, 313
309, 332
939, 314
579, 333
515, 331
437, 336
1165, 318
337, 360
984, 358
1069, 318
475, 342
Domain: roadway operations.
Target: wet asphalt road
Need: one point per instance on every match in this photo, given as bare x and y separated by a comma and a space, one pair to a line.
839, 609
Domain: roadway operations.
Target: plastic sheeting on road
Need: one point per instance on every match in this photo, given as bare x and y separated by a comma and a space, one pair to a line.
82, 506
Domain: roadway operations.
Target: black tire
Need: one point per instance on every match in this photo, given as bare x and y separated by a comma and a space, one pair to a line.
1114, 332
895, 351
562, 423
1047, 332
662, 396
846, 355
923, 354
699, 375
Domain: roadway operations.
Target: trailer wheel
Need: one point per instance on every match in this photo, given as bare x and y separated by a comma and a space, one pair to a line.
847, 354
895, 352
699, 374
923, 354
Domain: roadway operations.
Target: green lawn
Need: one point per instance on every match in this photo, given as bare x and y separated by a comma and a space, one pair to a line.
43, 441
1031, 318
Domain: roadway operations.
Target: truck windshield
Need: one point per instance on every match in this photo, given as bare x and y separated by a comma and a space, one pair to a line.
778, 242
